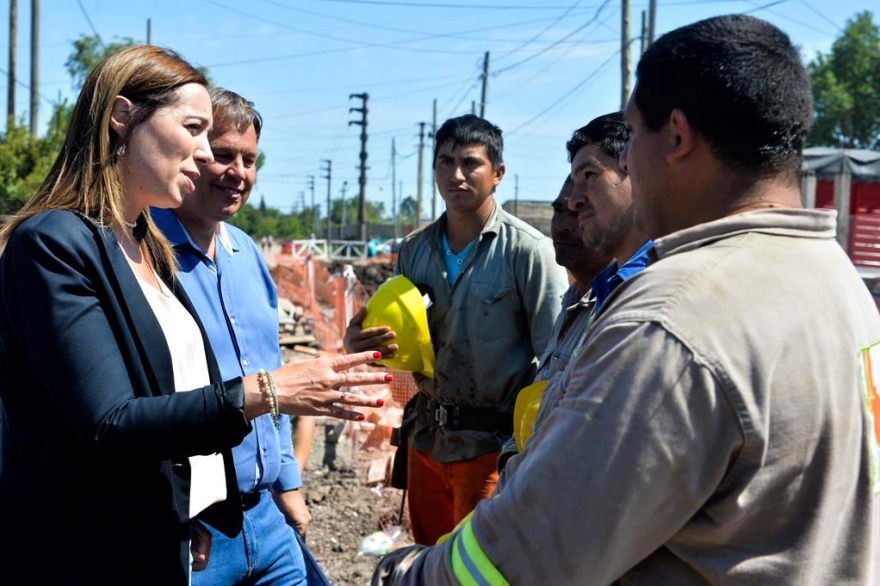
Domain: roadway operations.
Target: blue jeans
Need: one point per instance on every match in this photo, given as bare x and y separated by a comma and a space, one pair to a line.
266, 551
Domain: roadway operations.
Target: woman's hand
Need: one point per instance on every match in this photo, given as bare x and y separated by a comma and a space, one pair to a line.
320, 386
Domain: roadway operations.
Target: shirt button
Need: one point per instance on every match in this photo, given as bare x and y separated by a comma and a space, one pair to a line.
245, 362
232, 319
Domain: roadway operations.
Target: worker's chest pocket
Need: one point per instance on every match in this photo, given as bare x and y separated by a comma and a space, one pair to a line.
493, 307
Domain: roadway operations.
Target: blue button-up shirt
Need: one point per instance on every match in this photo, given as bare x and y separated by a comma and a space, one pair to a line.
237, 302
613, 275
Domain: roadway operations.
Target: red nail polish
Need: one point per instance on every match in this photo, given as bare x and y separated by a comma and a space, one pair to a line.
379, 402
377, 355
389, 378
361, 417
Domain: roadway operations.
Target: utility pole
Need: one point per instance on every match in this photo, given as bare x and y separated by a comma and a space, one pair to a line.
362, 180
312, 210
485, 83
149, 30
644, 37
652, 21
515, 194
624, 54
473, 107
35, 64
13, 59
433, 177
394, 185
342, 228
329, 170
397, 216
419, 184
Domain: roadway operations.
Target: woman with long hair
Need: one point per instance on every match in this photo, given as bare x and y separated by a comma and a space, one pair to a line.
117, 430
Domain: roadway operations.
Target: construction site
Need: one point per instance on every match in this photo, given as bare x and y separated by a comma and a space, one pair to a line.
346, 479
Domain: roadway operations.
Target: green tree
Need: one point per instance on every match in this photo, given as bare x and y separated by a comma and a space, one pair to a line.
25, 160
88, 50
846, 88
373, 211
407, 212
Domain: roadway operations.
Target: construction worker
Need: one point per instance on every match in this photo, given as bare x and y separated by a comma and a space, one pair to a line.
496, 293
595, 208
718, 424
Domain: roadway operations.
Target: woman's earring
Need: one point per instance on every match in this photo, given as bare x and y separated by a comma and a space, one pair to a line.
120, 152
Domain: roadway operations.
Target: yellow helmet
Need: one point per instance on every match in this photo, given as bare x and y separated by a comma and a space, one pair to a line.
528, 401
399, 305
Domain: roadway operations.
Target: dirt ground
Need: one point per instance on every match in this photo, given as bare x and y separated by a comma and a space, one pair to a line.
345, 507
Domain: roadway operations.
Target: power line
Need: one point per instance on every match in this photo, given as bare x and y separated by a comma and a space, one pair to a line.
423, 34
18, 82
566, 95
822, 16
332, 37
547, 66
452, 6
545, 49
89, 20
788, 18
537, 36
765, 6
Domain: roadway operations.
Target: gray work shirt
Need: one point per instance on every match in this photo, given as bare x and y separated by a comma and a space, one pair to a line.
714, 428
487, 329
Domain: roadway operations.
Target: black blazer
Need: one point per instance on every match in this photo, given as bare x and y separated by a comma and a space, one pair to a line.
94, 476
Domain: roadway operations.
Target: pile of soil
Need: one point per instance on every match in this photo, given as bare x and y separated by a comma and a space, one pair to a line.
345, 509
370, 275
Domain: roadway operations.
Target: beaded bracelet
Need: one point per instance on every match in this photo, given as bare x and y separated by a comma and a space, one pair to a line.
267, 387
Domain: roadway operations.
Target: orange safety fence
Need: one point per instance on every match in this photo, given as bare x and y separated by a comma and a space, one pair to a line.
328, 301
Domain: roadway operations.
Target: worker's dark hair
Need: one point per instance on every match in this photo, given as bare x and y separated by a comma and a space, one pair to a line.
741, 84
607, 131
470, 130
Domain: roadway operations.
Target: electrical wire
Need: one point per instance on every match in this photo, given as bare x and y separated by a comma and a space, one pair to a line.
822, 16
21, 84
546, 67
537, 36
545, 49
566, 95
332, 37
89, 20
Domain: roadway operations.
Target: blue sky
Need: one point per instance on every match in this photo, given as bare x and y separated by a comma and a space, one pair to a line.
554, 65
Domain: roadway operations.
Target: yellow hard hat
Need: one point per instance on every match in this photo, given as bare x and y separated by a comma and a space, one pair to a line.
528, 401
399, 305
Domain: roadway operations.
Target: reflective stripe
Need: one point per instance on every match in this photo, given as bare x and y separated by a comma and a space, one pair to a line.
470, 564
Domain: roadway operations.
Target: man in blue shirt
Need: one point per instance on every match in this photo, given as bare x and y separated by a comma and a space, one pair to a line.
225, 276
602, 198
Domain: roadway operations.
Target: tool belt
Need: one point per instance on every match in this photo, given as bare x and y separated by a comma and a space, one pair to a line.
400, 439
451, 416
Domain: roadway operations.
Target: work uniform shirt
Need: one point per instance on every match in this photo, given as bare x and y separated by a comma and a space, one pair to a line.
237, 301
568, 330
716, 428
487, 328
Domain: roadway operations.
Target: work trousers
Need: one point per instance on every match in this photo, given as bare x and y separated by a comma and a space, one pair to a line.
441, 494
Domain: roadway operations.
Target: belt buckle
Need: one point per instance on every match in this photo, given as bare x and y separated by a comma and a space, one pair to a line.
441, 415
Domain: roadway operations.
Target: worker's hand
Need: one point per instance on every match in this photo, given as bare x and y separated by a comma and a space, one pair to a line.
200, 546
360, 340
297, 514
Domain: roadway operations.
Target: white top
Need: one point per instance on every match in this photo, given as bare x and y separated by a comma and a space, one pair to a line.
184, 339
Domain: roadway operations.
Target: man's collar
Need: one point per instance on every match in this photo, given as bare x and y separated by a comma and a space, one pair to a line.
492, 225
177, 234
